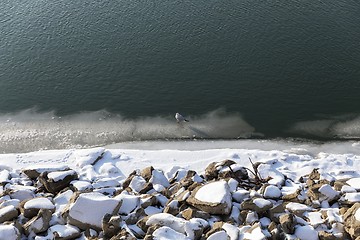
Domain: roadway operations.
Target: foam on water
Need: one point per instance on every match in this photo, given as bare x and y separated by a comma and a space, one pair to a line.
30, 130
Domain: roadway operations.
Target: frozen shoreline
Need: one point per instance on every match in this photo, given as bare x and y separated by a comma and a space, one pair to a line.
105, 171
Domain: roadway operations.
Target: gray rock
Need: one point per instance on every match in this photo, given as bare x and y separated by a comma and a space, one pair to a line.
8, 213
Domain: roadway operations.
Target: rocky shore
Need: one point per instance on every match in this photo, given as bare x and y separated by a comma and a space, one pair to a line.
225, 201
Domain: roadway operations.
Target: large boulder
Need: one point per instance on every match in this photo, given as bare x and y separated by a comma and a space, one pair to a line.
89, 209
213, 198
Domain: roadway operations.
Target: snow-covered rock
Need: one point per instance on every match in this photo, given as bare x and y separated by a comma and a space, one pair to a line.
167, 233
89, 209
306, 232
88, 156
63, 232
214, 198
272, 192
8, 213
31, 207
9, 231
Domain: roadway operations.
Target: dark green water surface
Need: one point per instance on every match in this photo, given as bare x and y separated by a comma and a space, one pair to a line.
287, 67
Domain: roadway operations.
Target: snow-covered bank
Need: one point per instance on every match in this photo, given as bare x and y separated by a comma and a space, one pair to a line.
97, 189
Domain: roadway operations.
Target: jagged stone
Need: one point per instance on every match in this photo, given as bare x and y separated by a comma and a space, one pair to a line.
8, 213
217, 226
275, 212
211, 171
134, 217
39, 223
146, 173
142, 224
123, 234
151, 229
352, 221
288, 223
338, 184
314, 175
254, 232
293, 197
147, 200
258, 205
190, 213
147, 187
128, 180
327, 236
188, 179
111, 225
54, 182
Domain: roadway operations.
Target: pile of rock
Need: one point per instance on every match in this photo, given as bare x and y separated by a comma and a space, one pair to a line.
227, 202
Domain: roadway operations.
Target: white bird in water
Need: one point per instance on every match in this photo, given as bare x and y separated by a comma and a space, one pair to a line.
180, 118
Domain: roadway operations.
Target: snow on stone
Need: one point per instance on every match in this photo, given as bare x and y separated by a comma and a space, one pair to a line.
306, 233
357, 214
60, 175
215, 192
151, 210
4, 175
347, 189
109, 169
334, 215
87, 156
165, 219
39, 203
255, 234
6, 209
261, 203
315, 218
8, 232
293, 206
354, 182
352, 197
10, 202
218, 235
158, 177
63, 231
231, 230
166, 233
62, 199
106, 182
82, 185
137, 183
328, 191
232, 184
129, 202
272, 191
240, 195
90, 208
